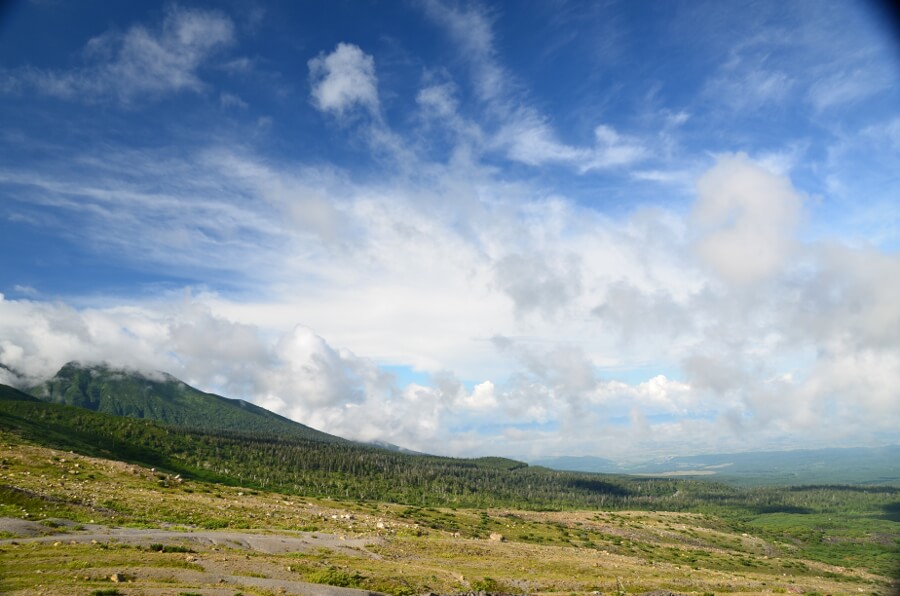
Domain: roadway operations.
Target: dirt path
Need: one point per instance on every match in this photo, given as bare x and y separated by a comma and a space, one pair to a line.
283, 542
218, 573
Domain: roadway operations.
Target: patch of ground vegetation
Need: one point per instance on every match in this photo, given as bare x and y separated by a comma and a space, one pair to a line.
76, 524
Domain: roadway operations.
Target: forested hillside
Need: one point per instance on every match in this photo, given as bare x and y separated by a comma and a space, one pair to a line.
836, 525
353, 471
164, 398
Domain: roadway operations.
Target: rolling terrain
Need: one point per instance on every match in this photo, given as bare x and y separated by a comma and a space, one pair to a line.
93, 502
860, 465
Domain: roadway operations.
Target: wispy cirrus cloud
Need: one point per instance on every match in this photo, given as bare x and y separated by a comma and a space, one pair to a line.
594, 295
478, 263
855, 84
137, 64
517, 128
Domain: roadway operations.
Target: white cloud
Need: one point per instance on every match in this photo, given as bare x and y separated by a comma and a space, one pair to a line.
344, 79
230, 100
750, 88
850, 299
612, 149
531, 141
440, 99
141, 62
845, 87
471, 29
619, 339
537, 286
634, 315
521, 131
746, 217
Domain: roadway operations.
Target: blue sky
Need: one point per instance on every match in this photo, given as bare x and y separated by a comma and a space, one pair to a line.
526, 229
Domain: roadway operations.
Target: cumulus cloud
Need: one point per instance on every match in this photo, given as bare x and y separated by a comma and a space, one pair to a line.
746, 218
296, 373
849, 298
610, 334
534, 319
634, 314
564, 370
344, 79
534, 285
141, 62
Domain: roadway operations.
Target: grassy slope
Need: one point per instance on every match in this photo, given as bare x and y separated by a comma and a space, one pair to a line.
337, 469
164, 399
416, 549
848, 526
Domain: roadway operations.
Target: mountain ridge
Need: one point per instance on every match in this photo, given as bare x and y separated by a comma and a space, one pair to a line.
843, 465
164, 398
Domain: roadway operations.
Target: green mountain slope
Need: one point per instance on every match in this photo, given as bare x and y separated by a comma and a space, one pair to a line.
165, 399
580, 463
9, 393
838, 525
316, 468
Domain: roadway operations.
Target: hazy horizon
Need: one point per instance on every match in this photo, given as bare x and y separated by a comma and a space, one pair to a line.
467, 228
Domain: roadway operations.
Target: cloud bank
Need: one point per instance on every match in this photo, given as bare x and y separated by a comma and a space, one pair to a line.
767, 340
454, 260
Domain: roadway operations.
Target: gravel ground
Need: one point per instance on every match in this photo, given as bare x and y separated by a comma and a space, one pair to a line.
215, 572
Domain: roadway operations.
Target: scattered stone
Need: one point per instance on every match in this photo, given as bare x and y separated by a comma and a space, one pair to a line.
117, 578
495, 537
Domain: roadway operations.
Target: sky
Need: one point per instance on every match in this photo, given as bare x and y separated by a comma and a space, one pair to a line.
621, 229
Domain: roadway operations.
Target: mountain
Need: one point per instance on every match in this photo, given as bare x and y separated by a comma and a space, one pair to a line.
848, 465
856, 465
391, 447
12, 394
341, 469
164, 398
58, 471
584, 463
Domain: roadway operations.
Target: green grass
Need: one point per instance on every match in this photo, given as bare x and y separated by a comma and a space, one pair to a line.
757, 537
860, 540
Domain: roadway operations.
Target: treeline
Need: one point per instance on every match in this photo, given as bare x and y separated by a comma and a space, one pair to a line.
353, 471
